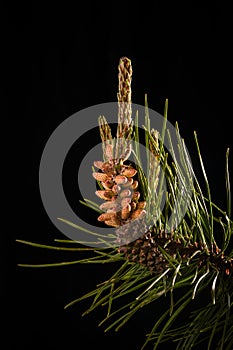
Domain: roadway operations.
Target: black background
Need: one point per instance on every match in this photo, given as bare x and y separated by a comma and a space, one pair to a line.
61, 58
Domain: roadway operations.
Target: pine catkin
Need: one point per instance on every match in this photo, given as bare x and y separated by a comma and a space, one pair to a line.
122, 193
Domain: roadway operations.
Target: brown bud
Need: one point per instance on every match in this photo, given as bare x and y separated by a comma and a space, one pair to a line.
115, 209
116, 189
136, 196
100, 176
110, 205
113, 223
106, 167
125, 212
107, 216
125, 201
120, 179
125, 193
133, 205
106, 195
138, 213
135, 185
141, 205
98, 164
129, 182
129, 172
107, 184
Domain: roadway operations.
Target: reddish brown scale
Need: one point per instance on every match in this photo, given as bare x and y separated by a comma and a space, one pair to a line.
106, 195
141, 205
129, 182
110, 205
98, 164
136, 196
109, 216
107, 184
116, 189
125, 212
129, 172
125, 201
125, 193
113, 223
133, 205
120, 179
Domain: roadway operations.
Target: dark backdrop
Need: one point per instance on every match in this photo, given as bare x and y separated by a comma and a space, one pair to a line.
60, 59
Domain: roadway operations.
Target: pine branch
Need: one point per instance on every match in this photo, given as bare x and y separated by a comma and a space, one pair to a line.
155, 263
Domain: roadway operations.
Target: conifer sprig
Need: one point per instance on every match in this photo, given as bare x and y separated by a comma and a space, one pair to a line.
159, 259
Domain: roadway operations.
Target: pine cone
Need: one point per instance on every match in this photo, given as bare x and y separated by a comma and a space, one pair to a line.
132, 232
146, 251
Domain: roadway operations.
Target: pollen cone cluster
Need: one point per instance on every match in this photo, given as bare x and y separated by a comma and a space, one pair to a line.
120, 188
122, 199
124, 207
